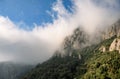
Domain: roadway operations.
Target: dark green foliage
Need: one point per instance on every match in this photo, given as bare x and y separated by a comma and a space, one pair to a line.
55, 68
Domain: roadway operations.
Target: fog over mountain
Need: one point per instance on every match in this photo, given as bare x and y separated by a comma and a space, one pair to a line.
9, 70
39, 44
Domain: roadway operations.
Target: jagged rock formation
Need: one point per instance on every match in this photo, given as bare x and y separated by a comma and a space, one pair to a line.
112, 30
78, 40
115, 45
102, 49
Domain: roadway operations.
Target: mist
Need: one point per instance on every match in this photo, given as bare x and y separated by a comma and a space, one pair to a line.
40, 43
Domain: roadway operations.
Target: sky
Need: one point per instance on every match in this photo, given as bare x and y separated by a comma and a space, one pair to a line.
32, 30
29, 11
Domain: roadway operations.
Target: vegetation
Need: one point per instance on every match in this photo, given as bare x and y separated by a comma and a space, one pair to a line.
104, 66
93, 64
55, 68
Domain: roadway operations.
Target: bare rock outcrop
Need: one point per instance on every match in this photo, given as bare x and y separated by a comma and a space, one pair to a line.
102, 49
115, 45
112, 30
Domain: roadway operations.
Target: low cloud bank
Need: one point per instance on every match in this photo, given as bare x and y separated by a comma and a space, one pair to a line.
39, 44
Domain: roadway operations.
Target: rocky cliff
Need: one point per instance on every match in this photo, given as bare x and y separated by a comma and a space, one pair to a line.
78, 40
112, 30
81, 39
115, 45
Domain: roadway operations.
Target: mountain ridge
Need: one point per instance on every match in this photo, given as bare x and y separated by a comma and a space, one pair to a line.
86, 60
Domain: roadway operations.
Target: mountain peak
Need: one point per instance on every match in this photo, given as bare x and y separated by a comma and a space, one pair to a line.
76, 41
112, 30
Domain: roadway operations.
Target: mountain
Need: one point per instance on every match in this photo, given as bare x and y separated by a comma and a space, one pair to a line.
79, 58
9, 70
72, 43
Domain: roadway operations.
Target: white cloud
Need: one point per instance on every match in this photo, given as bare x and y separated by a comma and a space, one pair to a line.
40, 43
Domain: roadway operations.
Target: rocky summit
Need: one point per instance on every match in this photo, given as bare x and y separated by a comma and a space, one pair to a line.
113, 30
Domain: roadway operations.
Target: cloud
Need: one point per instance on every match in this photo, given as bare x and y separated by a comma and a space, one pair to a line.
39, 44
94, 15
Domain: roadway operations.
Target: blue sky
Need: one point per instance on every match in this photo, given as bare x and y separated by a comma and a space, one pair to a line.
29, 11
33, 11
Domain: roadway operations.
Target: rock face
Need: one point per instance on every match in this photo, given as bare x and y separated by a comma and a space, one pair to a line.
77, 41
102, 49
115, 45
112, 31
80, 39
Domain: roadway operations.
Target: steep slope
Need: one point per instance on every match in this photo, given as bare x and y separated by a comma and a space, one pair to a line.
112, 30
9, 70
103, 66
80, 59
55, 68
78, 40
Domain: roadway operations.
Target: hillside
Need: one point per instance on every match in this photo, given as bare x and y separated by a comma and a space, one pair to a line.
80, 59
9, 70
